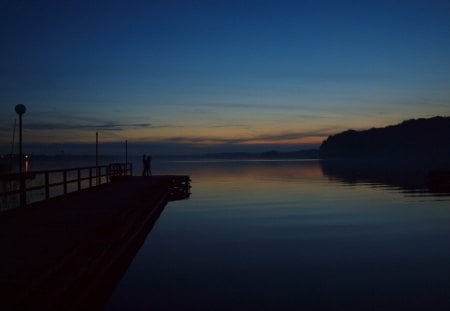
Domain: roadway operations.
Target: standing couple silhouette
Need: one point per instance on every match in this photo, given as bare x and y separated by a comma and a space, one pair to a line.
147, 165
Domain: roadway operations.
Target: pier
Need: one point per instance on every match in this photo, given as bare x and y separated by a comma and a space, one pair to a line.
69, 251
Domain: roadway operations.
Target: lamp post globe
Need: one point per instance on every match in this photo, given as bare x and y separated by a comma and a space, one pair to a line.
20, 109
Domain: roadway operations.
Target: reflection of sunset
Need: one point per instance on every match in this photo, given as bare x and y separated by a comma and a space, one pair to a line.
251, 170
258, 179
284, 181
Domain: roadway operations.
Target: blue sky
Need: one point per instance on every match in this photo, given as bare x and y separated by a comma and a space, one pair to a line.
181, 76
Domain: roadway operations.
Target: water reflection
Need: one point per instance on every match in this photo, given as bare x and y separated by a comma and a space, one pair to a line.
411, 178
276, 235
406, 177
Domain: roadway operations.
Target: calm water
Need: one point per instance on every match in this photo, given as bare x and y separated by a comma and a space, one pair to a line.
289, 235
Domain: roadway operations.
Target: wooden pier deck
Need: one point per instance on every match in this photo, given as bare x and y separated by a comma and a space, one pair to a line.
68, 252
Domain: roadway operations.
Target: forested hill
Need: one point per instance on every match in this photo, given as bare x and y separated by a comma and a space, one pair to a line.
417, 138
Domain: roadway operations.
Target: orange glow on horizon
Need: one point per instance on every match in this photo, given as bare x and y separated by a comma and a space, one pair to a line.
191, 136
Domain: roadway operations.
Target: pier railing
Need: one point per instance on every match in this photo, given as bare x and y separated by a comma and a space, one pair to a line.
42, 185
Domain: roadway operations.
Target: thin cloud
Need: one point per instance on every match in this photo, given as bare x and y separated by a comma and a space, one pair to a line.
249, 106
268, 138
109, 126
231, 125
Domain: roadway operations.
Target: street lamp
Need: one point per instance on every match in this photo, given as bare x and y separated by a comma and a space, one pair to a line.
20, 110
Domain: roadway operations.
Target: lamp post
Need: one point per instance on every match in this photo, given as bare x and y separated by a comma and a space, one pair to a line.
126, 157
126, 151
20, 110
96, 148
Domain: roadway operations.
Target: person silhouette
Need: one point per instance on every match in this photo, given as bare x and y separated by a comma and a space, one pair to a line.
148, 166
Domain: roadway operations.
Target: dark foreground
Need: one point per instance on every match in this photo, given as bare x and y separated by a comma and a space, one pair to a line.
70, 251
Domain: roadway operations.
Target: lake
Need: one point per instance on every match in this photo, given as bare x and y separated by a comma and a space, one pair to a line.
291, 235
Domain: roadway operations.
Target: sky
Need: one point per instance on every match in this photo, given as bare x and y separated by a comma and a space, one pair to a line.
214, 76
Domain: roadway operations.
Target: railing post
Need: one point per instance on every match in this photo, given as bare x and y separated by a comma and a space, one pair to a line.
65, 181
90, 177
23, 190
98, 172
47, 186
79, 181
